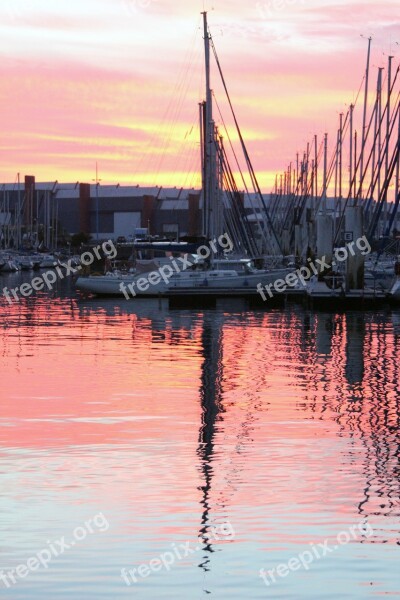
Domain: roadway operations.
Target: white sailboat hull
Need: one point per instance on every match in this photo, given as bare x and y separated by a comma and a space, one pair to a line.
10, 266
198, 281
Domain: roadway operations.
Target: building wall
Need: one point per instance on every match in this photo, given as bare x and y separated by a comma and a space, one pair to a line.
141, 210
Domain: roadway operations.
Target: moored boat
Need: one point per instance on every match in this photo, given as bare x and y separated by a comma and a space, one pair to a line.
10, 265
233, 275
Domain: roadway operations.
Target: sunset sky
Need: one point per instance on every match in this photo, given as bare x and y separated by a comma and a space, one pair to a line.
119, 81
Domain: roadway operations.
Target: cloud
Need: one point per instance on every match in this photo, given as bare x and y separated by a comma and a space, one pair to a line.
120, 82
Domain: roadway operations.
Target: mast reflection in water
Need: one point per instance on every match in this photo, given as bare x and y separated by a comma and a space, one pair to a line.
211, 404
283, 423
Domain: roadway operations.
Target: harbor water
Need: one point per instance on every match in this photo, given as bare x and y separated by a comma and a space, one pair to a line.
226, 453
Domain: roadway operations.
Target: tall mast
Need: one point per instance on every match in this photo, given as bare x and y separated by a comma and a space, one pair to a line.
379, 109
19, 238
324, 192
363, 139
340, 158
207, 64
387, 140
202, 162
316, 164
209, 204
351, 153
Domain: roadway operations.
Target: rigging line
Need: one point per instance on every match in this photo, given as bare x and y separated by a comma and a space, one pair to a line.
195, 175
183, 158
244, 149
379, 166
295, 200
233, 190
300, 200
173, 129
183, 68
370, 158
385, 186
169, 116
302, 181
174, 121
394, 211
359, 91
262, 231
346, 124
331, 169
369, 127
329, 176
378, 209
293, 197
244, 215
229, 139
191, 159
304, 196
330, 172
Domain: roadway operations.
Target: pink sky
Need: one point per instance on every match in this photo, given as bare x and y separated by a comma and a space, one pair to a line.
118, 82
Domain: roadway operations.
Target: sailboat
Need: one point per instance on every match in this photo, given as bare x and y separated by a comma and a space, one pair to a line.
8, 264
225, 274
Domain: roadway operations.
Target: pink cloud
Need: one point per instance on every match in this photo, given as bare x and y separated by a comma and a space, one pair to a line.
75, 90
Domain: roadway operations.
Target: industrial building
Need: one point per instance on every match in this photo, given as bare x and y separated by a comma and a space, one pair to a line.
110, 211
107, 211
